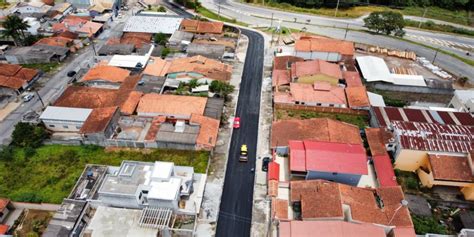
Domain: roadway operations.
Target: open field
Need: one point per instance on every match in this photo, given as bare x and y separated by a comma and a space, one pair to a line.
358, 120
48, 173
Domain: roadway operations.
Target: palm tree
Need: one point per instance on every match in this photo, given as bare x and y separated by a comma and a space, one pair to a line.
15, 28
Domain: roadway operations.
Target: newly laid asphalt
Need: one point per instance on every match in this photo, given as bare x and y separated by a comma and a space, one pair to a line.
235, 213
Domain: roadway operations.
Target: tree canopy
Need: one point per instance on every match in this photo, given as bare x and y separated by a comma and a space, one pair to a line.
15, 27
28, 135
386, 22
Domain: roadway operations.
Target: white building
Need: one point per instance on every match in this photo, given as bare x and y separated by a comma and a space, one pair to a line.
30, 7
33, 24
64, 119
463, 100
166, 24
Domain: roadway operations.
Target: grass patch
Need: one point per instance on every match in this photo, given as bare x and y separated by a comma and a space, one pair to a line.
49, 173
359, 120
209, 14
34, 222
424, 225
429, 25
45, 67
454, 16
408, 181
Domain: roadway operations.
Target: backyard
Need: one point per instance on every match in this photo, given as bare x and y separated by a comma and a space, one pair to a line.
48, 173
359, 120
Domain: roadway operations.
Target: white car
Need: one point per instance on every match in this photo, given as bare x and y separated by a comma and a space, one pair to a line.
28, 97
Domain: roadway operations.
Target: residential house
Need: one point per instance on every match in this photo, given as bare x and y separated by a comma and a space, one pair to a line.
384, 116
36, 54
318, 94
57, 41
316, 129
61, 9
329, 228
352, 79
203, 69
209, 128
378, 139
281, 74
113, 49
15, 78
156, 67
338, 162
180, 39
140, 185
201, 27
64, 119
5, 208
33, 25
104, 75
90, 29
166, 24
414, 141
463, 100
36, 8
70, 23
100, 125
171, 106
357, 98
320, 200
327, 49
313, 71
206, 50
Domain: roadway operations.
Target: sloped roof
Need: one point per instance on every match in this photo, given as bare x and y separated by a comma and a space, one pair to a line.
107, 73
209, 128
4, 203
320, 44
284, 62
55, 41
208, 67
12, 82
172, 104
319, 92
98, 120
156, 67
317, 129
90, 28
202, 27
357, 97
450, 168
315, 67
329, 228
280, 77
9, 69
352, 78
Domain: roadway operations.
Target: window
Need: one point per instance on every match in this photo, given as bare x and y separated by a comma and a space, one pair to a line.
334, 173
65, 126
319, 104
78, 127
331, 105
51, 126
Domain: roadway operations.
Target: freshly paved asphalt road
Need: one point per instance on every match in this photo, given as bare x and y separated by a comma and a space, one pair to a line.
235, 213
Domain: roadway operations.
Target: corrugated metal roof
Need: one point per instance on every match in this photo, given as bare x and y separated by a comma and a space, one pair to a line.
65, 113
153, 24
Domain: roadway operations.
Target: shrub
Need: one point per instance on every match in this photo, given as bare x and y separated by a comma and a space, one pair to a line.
165, 52
424, 225
28, 135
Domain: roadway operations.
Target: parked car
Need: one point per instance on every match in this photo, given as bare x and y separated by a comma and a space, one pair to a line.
243, 153
265, 162
71, 73
237, 122
28, 97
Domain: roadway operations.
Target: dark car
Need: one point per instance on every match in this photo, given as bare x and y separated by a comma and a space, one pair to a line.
71, 73
265, 162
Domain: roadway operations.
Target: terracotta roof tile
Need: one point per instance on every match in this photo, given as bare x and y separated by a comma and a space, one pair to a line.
330, 228
209, 128
3, 229
324, 199
12, 82
376, 141
281, 77
3, 203
284, 62
154, 128
208, 67
106, 73
98, 120
9, 69
129, 106
317, 129
272, 188
171, 104
87, 97
202, 27
319, 44
280, 208
90, 28
315, 67
352, 78
357, 97
136, 38
314, 94
67, 34
26, 74
55, 41
157, 67
451, 168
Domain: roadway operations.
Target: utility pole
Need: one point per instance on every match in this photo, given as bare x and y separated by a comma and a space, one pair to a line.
424, 14
337, 7
219, 10
39, 97
271, 22
436, 54
347, 29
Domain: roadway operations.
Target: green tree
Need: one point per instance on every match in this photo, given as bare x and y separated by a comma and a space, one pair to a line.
161, 39
193, 83
15, 27
27, 135
220, 87
161, 9
387, 22
165, 52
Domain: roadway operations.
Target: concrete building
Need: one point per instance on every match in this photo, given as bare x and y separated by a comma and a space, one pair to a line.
36, 54
33, 25
206, 50
180, 39
463, 101
64, 119
338, 162
166, 24
31, 8
139, 185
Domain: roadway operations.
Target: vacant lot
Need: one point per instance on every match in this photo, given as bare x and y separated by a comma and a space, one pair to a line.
358, 120
48, 173
33, 223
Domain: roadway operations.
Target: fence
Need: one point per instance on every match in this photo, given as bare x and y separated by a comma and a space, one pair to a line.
413, 89
321, 109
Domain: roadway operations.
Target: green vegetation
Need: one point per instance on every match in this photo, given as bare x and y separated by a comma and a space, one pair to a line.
209, 14
33, 223
387, 22
160, 39
425, 225
359, 120
430, 25
28, 135
221, 88
45, 67
408, 181
14, 28
156, 8
458, 16
49, 173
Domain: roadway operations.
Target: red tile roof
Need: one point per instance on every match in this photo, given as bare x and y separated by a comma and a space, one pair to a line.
319, 92
17, 71
106, 73
315, 67
202, 27
324, 199
384, 170
157, 67
352, 78
55, 41
273, 171
328, 157
434, 137
90, 28
3, 229
319, 44
377, 138
12, 82
98, 120
329, 228
272, 188
317, 129
9, 69
280, 77
450, 168
171, 104
284, 62
210, 68
3, 203
280, 207
136, 38
357, 97
209, 128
